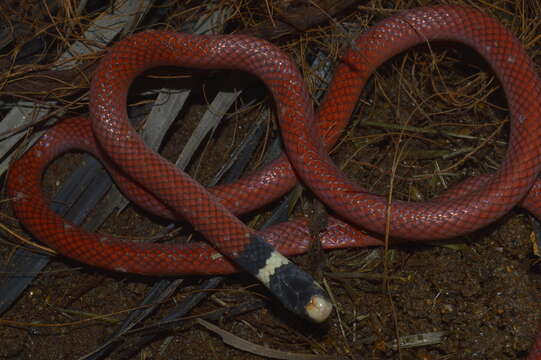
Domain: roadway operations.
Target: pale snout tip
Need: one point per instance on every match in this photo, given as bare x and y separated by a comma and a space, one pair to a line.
319, 308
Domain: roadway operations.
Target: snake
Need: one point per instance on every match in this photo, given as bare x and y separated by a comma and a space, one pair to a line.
159, 187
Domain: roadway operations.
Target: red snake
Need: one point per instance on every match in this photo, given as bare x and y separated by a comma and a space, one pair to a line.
166, 191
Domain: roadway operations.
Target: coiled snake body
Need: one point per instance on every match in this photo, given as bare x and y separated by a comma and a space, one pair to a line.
163, 189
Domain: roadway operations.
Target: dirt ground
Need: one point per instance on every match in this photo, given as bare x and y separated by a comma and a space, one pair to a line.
480, 294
